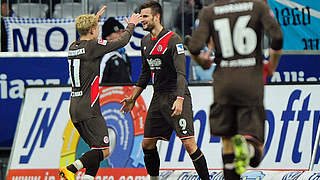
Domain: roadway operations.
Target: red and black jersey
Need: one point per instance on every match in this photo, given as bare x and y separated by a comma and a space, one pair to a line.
164, 61
84, 59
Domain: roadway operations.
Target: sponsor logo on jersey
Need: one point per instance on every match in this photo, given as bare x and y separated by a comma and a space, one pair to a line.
102, 42
180, 48
154, 63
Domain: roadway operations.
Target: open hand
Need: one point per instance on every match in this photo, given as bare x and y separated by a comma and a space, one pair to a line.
134, 19
177, 107
127, 106
100, 12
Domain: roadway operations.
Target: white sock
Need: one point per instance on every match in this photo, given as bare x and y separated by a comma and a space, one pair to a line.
88, 177
78, 164
251, 150
154, 177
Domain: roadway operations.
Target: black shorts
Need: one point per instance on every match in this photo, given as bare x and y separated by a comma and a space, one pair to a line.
159, 123
229, 120
94, 132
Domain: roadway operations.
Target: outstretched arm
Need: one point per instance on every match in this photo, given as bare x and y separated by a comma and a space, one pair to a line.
126, 35
128, 103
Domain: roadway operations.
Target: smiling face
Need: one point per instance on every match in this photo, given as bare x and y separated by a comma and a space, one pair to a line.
148, 19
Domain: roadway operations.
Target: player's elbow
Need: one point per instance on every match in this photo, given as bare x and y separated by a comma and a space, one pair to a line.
277, 43
194, 49
277, 39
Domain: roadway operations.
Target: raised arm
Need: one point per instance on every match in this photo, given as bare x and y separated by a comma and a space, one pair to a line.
125, 36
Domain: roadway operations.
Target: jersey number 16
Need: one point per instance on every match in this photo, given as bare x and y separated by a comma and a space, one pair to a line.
242, 38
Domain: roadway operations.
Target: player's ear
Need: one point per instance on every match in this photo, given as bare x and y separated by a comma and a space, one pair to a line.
92, 29
158, 17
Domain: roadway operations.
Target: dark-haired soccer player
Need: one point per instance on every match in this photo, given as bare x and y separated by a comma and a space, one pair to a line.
84, 58
238, 114
163, 60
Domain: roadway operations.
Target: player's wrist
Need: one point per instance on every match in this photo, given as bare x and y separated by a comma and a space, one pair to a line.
180, 98
134, 24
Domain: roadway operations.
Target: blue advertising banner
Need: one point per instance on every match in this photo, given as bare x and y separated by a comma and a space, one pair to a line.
17, 72
297, 68
300, 21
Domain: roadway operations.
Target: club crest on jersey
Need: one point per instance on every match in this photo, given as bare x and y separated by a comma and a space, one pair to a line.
180, 48
102, 42
106, 139
159, 48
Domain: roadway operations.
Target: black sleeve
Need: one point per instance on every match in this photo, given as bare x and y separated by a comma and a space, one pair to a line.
271, 26
179, 61
145, 71
201, 34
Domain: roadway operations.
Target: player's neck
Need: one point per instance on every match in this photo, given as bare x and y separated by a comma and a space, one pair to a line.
86, 37
156, 30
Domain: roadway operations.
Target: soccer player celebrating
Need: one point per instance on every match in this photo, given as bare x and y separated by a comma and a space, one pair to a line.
238, 114
164, 62
84, 58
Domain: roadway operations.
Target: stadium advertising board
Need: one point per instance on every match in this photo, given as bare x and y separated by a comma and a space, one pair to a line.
43, 35
16, 72
299, 22
297, 68
19, 71
46, 140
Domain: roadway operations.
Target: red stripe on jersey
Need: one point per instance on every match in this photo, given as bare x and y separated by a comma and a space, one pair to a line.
162, 44
94, 90
152, 77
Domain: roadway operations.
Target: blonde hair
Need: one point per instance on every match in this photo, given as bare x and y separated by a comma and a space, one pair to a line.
85, 22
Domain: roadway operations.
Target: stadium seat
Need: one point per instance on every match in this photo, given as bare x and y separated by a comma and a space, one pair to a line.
67, 10
30, 10
67, 1
99, 3
117, 9
169, 10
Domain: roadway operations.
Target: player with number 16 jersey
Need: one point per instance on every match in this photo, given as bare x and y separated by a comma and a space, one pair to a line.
237, 114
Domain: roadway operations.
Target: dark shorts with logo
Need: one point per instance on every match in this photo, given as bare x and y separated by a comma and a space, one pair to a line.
94, 132
159, 123
229, 120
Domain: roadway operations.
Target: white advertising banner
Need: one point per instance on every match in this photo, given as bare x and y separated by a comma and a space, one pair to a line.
44, 35
46, 140
38, 139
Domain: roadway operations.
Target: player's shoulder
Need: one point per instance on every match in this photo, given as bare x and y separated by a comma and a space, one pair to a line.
176, 42
146, 37
72, 45
175, 35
